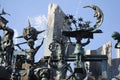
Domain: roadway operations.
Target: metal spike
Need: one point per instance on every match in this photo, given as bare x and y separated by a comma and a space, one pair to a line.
4, 13
38, 32
29, 24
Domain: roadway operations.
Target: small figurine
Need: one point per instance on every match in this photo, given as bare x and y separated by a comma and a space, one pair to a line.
116, 36
60, 68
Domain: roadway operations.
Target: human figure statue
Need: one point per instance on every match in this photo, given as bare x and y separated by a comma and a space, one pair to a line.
7, 40
60, 69
117, 77
61, 66
116, 36
30, 34
31, 51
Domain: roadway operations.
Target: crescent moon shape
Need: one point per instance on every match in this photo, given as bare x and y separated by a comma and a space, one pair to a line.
98, 14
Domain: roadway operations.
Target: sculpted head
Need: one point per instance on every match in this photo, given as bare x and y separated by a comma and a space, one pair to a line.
3, 22
115, 35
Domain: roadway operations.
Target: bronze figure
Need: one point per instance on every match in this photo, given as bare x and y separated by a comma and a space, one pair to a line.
116, 36
7, 40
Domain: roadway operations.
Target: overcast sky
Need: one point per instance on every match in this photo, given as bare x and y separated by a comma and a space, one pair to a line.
37, 10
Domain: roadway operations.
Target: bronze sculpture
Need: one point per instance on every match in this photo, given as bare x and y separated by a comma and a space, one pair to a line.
82, 31
116, 36
55, 66
7, 41
30, 34
60, 67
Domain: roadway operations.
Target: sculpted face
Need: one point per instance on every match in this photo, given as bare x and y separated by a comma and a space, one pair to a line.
31, 43
1, 24
115, 35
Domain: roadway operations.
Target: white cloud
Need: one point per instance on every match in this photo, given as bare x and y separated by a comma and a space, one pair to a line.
39, 22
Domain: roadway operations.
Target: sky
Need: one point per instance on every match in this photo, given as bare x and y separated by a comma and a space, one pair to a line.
36, 11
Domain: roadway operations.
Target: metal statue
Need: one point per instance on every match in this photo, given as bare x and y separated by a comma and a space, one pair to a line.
62, 67
116, 36
6, 46
33, 51
59, 68
54, 66
82, 31
7, 40
30, 34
